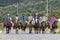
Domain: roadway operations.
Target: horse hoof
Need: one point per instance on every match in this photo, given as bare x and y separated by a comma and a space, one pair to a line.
7, 33
30, 32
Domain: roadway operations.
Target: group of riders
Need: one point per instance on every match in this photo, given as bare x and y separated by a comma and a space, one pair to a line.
37, 22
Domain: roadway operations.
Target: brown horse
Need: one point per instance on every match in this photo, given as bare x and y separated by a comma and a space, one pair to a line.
17, 26
43, 26
23, 25
30, 25
54, 27
8, 26
35, 26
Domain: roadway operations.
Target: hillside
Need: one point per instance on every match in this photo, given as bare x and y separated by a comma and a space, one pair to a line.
28, 6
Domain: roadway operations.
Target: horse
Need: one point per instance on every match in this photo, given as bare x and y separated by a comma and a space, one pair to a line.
23, 25
36, 26
17, 26
54, 27
43, 26
43, 23
8, 26
30, 25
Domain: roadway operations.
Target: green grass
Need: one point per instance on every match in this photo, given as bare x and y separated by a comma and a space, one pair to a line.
58, 24
1, 28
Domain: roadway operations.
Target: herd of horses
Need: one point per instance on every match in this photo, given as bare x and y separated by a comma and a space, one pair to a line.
38, 27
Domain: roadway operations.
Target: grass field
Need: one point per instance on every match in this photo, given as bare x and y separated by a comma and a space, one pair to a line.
58, 24
1, 28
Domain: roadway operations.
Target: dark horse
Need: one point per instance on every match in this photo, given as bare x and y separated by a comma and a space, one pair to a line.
8, 26
43, 26
30, 25
54, 27
23, 25
36, 27
17, 26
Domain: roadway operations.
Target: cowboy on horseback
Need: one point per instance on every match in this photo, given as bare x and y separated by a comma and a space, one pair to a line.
30, 19
8, 23
17, 23
36, 26
43, 21
23, 22
53, 23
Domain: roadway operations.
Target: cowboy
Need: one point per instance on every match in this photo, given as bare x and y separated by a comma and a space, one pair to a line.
30, 18
44, 18
16, 18
23, 17
52, 20
36, 18
8, 18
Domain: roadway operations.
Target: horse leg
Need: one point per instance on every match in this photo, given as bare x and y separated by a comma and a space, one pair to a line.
52, 30
25, 27
7, 29
36, 30
22, 27
30, 29
43, 29
16, 30
40, 28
